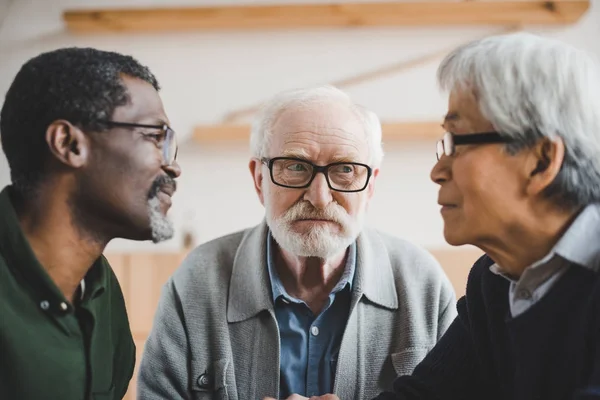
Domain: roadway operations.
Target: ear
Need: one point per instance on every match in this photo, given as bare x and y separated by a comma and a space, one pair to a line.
544, 164
67, 143
257, 175
371, 187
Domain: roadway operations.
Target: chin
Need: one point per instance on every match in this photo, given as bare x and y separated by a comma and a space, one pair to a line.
453, 237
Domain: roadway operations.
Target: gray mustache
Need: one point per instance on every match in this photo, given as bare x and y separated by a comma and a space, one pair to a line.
160, 182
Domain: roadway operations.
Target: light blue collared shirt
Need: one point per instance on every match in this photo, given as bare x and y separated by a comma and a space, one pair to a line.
310, 343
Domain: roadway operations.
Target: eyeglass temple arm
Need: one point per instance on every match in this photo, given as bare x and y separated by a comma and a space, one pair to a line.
479, 138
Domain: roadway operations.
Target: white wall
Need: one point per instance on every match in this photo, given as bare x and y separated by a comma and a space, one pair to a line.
206, 75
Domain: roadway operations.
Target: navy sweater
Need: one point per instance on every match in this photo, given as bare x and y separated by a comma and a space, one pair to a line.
549, 352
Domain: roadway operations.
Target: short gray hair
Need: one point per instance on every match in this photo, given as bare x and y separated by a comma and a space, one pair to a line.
532, 88
261, 131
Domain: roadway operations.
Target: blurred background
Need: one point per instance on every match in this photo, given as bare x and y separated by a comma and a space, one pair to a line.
217, 60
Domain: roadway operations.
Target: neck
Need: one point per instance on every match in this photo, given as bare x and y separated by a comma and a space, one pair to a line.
62, 247
310, 279
529, 240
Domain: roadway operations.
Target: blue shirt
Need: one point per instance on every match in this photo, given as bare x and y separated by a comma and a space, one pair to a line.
310, 343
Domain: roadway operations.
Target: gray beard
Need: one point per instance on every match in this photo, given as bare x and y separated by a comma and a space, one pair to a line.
162, 228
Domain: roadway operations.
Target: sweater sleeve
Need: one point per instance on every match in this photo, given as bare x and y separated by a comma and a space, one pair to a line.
590, 390
164, 370
451, 370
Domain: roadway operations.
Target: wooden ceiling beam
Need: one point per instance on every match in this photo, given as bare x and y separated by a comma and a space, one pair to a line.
392, 132
344, 15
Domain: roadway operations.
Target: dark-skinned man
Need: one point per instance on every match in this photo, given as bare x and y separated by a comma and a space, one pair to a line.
92, 158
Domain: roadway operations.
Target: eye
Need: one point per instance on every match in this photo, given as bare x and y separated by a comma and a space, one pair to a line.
158, 137
297, 167
344, 169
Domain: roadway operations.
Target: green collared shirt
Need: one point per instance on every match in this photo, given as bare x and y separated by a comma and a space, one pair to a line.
48, 348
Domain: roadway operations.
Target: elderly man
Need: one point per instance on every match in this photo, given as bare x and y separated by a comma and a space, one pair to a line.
91, 158
307, 302
519, 176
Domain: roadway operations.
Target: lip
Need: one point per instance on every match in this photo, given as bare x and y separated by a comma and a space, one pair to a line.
169, 190
447, 207
314, 220
164, 197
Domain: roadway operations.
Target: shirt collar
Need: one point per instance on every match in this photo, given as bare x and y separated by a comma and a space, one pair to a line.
277, 288
21, 260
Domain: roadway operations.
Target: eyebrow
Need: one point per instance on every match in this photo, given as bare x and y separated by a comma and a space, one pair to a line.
345, 159
296, 153
161, 122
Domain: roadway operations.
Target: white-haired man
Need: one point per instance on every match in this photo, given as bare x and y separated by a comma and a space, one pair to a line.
519, 177
308, 302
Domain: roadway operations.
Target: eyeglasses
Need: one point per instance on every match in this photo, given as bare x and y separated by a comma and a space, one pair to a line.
446, 146
298, 174
166, 139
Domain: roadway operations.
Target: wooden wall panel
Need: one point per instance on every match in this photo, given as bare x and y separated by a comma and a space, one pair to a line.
148, 273
457, 263
348, 15
391, 132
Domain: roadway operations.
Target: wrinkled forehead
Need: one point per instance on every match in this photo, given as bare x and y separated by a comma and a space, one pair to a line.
320, 131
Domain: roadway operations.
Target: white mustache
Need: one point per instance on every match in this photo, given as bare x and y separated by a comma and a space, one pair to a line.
304, 210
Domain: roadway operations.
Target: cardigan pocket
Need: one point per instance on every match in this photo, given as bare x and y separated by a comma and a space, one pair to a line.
405, 361
210, 381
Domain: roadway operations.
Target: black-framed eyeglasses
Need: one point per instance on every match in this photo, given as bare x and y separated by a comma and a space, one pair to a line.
446, 146
296, 173
167, 139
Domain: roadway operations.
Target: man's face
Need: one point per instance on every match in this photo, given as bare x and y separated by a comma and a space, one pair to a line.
315, 221
482, 189
125, 186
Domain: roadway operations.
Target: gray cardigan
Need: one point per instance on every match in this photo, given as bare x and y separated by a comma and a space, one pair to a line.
215, 334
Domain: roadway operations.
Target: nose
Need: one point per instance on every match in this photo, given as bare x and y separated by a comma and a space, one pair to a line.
319, 193
173, 170
441, 171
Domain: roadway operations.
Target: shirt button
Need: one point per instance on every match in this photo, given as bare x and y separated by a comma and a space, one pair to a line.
524, 294
315, 331
204, 381
45, 305
64, 306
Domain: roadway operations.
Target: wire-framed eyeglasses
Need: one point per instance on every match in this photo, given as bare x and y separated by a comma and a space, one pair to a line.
166, 139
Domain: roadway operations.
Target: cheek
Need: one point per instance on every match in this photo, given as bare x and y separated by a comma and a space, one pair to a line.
129, 173
489, 186
353, 203
281, 199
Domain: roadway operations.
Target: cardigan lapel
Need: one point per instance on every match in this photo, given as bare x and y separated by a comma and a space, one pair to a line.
254, 333
375, 281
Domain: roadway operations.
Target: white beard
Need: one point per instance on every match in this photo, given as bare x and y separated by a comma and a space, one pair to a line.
162, 228
323, 241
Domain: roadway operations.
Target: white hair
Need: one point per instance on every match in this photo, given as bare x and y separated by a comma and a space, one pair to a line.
531, 88
261, 132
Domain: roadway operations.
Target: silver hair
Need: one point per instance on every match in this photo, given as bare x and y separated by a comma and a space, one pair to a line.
261, 131
531, 88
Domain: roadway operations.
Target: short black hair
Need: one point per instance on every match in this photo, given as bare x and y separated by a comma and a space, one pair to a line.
80, 85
